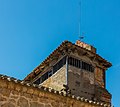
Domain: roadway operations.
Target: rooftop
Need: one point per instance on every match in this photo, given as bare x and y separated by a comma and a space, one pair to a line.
69, 46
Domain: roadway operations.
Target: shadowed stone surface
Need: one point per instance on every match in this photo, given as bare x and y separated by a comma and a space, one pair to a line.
7, 105
22, 102
35, 104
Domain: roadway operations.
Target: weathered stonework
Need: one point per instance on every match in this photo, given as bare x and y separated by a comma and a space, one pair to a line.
99, 77
14, 93
57, 80
82, 82
83, 74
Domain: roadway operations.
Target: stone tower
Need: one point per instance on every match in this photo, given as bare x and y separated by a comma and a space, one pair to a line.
74, 69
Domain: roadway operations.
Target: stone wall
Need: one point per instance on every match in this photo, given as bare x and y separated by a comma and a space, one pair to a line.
82, 82
99, 77
16, 93
57, 80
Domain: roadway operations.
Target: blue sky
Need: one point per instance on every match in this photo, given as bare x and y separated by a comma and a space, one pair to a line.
31, 29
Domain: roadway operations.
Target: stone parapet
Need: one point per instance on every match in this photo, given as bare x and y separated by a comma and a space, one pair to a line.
17, 93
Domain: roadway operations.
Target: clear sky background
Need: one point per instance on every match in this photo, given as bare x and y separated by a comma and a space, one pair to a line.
31, 29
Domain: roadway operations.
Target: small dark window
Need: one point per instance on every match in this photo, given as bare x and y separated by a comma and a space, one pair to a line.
64, 60
80, 64
49, 73
70, 60
44, 77
58, 65
37, 81
73, 61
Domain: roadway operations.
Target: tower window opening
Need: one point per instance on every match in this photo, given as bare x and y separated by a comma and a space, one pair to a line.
60, 64
71, 61
37, 81
80, 64
48, 74
44, 77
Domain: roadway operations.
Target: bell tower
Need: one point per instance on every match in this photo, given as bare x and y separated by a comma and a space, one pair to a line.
75, 69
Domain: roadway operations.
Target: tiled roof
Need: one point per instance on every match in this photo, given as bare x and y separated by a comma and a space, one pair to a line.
4, 77
65, 44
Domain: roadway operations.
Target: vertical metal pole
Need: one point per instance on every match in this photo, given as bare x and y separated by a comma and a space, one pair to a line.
80, 13
66, 70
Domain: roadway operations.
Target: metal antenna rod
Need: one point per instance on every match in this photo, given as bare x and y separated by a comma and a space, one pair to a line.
81, 34
79, 19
